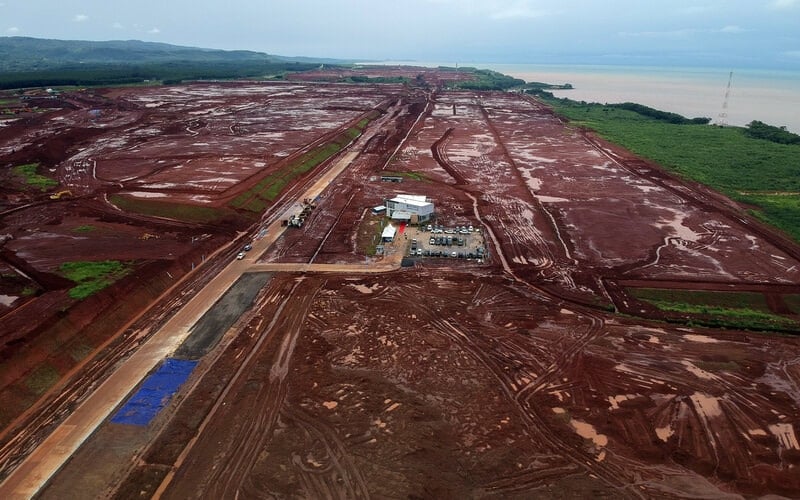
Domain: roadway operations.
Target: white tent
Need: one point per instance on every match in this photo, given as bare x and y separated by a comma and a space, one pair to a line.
388, 233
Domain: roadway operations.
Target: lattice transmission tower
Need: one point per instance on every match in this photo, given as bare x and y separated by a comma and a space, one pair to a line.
722, 119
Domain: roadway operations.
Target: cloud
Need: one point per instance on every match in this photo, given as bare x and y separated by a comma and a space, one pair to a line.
154, 31
117, 26
12, 30
792, 53
79, 18
732, 29
783, 4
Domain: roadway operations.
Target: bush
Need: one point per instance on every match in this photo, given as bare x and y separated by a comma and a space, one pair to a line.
760, 130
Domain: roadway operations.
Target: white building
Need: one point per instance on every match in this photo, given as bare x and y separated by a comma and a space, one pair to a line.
409, 208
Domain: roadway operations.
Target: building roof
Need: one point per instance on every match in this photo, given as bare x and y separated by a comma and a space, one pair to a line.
413, 197
389, 231
412, 201
379, 208
401, 215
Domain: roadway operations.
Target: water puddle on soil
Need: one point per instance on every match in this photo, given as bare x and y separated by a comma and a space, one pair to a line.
587, 431
7, 300
786, 436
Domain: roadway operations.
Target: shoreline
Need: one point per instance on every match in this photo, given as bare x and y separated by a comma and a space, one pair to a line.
770, 96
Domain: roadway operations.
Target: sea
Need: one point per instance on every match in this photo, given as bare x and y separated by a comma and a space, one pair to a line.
769, 96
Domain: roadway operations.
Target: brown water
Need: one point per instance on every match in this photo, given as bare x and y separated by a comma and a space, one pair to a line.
772, 97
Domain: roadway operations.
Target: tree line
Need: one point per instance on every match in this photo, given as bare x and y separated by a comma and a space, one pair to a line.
168, 73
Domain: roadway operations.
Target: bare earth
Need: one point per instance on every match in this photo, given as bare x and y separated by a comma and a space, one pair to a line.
351, 377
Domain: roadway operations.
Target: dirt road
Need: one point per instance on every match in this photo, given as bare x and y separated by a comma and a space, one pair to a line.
54, 451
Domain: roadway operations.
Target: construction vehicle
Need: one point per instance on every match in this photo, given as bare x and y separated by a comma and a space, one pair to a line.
58, 195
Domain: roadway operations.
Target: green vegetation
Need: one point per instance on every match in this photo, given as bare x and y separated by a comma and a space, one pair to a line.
86, 228
167, 73
257, 198
792, 302
417, 176
484, 79
91, 277
41, 379
760, 130
375, 79
663, 116
80, 351
31, 177
369, 234
32, 62
744, 310
153, 208
762, 174
718, 366
745, 300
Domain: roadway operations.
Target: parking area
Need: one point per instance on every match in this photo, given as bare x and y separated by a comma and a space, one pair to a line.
454, 242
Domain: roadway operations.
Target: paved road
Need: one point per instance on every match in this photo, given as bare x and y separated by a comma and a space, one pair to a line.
56, 449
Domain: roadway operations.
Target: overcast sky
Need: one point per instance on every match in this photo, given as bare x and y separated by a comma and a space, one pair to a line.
723, 33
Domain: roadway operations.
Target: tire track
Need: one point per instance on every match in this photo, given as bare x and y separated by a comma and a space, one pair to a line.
231, 476
336, 477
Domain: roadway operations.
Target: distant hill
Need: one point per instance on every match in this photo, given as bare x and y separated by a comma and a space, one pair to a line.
24, 54
35, 62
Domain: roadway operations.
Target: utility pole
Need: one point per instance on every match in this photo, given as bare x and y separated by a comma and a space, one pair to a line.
723, 115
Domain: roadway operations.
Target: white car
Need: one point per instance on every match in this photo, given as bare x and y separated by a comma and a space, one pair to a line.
240, 256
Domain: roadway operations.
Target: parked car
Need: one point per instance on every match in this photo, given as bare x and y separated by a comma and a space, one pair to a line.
248, 247
240, 256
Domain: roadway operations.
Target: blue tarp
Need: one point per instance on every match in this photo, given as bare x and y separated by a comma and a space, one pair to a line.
155, 393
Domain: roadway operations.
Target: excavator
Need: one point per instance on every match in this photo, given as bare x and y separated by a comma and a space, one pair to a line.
58, 195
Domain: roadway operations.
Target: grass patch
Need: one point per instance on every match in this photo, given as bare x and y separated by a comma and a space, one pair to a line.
31, 177
91, 277
187, 213
369, 234
735, 300
792, 302
80, 352
28, 291
740, 310
780, 210
86, 228
417, 176
563, 417
718, 366
257, 198
745, 168
41, 379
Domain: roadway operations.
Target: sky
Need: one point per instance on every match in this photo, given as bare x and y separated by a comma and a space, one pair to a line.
710, 33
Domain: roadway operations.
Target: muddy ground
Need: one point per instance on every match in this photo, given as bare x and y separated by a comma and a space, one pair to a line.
511, 378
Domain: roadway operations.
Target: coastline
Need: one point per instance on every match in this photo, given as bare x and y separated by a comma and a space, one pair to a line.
769, 96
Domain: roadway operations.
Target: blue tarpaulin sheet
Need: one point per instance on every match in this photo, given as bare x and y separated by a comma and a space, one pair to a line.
155, 392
